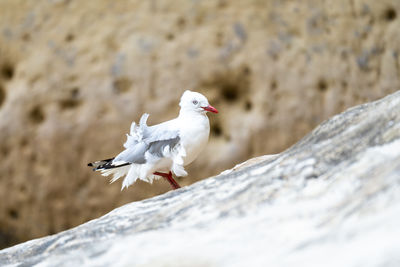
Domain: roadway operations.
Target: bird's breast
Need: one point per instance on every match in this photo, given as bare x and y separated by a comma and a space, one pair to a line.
194, 139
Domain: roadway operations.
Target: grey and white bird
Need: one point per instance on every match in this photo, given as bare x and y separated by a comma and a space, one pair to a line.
163, 149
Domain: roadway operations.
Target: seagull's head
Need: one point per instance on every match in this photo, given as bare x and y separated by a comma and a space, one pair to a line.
193, 101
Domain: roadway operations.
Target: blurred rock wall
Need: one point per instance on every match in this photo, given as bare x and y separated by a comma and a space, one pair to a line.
74, 74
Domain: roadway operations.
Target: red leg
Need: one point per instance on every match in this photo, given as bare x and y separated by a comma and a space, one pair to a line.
168, 177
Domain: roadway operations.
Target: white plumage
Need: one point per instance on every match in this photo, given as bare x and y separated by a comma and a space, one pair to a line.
162, 148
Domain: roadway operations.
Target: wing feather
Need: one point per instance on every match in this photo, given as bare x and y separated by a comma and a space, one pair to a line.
155, 139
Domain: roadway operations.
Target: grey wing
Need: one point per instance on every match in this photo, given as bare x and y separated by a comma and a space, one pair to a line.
159, 137
144, 138
157, 148
159, 133
135, 147
133, 154
149, 134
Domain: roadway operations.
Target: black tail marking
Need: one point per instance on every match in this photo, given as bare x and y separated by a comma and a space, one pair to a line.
100, 162
105, 164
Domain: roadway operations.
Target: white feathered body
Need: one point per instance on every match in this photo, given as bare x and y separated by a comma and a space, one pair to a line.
194, 135
194, 129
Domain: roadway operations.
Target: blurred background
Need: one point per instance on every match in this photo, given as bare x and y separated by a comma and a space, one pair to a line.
75, 74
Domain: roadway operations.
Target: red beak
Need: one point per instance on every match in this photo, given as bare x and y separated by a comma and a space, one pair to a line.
211, 109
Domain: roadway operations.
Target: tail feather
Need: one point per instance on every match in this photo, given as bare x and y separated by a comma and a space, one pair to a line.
116, 172
99, 163
108, 167
107, 164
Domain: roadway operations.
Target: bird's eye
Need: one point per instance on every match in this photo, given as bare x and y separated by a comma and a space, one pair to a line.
195, 102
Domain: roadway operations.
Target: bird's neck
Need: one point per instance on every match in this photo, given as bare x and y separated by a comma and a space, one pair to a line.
183, 113
192, 116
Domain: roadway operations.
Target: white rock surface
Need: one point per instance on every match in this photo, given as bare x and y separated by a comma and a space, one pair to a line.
333, 199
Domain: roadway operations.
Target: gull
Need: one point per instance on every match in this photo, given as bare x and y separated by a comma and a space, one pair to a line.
163, 149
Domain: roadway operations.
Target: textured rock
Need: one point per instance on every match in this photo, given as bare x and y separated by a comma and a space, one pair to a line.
333, 199
74, 74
